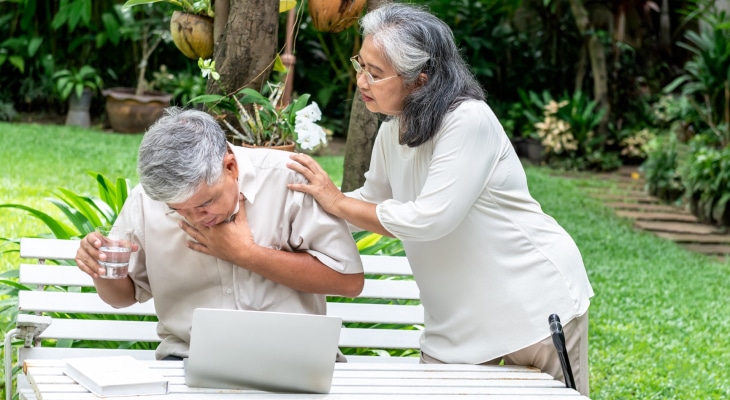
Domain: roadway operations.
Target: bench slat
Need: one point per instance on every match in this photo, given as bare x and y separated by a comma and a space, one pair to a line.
91, 303
386, 265
59, 353
55, 249
59, 275
87, 303
94, 329
53, 275
66, 250
144, 331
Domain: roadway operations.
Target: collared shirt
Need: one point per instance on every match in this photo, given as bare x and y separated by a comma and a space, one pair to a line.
181, 279
490, 264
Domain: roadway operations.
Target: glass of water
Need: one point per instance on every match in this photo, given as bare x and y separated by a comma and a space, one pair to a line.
117, 246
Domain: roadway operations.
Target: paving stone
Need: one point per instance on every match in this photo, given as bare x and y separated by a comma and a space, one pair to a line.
640, 198
650, 207
679, 227
629, 199
695, 238
707, 248
656, 216
638, 192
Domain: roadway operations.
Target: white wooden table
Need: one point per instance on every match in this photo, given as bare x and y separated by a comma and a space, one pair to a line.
350, 381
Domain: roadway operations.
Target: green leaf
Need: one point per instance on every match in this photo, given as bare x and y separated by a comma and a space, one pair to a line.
18, 62
77, 219
368, 241
279, 64
132, 3
59, 229
33, 46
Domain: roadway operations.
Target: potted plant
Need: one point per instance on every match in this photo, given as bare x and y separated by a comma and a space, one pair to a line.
191, 27
134, 109
77, 86
261, 119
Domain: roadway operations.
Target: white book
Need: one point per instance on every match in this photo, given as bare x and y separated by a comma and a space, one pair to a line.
115, 376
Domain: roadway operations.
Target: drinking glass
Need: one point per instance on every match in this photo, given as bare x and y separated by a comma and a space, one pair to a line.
117, 245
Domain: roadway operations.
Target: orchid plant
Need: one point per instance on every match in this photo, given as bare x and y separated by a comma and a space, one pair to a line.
262, 120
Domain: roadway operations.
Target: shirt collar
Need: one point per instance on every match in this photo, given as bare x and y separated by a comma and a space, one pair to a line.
246, 174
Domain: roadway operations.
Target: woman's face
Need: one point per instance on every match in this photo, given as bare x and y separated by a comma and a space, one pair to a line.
386, 96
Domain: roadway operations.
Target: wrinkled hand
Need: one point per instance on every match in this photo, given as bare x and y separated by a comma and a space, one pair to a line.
88, 254
225, 240
320, 185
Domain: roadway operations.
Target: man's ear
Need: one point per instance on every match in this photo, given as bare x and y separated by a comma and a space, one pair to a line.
230, 163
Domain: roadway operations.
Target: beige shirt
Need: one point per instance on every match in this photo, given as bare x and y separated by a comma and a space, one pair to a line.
181, 279
490, 264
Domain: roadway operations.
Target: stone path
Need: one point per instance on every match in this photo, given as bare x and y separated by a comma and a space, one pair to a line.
671, 222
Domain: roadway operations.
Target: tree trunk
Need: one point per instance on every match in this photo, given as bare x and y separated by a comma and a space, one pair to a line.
361, 135
580, 72
246, 48
360, 139
597, 56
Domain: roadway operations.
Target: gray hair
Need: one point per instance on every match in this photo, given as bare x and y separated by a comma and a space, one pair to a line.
414, 41
179, 152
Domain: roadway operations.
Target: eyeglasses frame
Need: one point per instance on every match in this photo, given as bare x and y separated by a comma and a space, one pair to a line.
368, 76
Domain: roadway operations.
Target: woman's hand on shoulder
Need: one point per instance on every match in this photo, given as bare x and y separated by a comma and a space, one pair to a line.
320, 185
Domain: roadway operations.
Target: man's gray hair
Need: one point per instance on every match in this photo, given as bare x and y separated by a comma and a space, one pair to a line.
179, 152
414, 41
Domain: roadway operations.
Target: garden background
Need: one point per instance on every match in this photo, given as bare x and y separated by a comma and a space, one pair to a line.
661, 102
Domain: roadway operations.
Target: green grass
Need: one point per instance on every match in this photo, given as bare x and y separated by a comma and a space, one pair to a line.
659, 323
660, 319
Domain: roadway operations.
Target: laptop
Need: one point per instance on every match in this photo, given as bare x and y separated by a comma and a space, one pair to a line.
279, 352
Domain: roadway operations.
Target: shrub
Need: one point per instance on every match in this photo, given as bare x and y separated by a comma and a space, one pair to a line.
662, 168
706, 175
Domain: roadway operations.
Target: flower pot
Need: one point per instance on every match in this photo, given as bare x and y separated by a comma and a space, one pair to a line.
78, 109
192, 34
335, 15
534, 150
286, 147
129, 113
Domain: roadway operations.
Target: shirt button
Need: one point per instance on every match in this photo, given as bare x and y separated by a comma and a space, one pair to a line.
229, 291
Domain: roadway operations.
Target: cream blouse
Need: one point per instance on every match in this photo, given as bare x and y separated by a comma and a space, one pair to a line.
490, 264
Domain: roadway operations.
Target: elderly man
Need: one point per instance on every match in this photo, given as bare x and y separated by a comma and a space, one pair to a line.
215, 226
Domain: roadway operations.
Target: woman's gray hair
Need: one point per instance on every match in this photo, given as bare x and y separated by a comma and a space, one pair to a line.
179, 152
414, 41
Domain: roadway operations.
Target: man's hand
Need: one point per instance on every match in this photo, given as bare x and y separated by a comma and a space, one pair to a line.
226, 240
115, 292
88, 255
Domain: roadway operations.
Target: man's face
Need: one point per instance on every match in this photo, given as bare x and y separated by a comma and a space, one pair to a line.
212, 205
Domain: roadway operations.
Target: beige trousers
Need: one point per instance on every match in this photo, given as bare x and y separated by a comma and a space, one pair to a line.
543, 355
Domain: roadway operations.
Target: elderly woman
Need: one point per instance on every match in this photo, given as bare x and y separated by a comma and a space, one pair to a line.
444, 179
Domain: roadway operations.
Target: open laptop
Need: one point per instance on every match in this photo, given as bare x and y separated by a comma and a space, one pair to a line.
280, 352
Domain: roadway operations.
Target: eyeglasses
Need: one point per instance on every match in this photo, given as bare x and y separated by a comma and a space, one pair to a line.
359, 70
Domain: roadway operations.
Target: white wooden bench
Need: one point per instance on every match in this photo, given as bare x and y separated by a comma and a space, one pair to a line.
387, 314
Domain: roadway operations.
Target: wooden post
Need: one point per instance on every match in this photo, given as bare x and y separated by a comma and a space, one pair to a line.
288, 58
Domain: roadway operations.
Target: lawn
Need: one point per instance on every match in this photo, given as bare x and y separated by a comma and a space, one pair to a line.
659, 322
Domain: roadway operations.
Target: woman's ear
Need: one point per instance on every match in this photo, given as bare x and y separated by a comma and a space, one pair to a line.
421, 80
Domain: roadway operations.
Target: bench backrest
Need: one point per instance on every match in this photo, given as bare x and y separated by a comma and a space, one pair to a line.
387, 315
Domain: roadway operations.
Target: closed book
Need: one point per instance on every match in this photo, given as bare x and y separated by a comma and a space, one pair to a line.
115, 376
